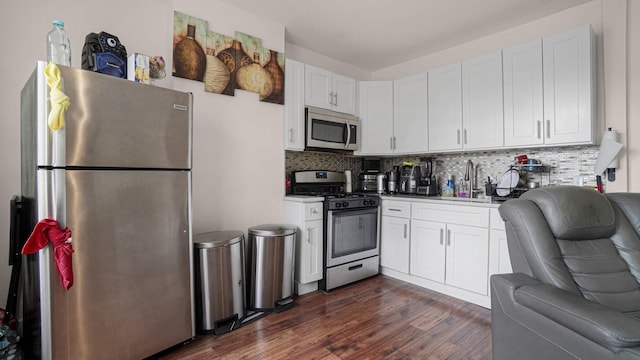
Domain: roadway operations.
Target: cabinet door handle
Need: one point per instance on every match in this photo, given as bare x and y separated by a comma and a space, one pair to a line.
335, 99
441, 236
548, 129
405, 231
392, 209
309, 234
465, 137
458, 136
448, 237
539, 129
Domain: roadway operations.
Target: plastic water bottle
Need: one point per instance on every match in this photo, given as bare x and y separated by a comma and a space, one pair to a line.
58, 45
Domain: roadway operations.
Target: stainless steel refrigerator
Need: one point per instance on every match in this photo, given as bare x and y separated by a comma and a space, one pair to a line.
118, 174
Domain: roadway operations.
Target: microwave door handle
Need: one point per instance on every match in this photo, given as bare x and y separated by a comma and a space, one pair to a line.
346, 143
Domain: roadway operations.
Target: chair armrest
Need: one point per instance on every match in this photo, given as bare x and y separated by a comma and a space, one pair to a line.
605, 326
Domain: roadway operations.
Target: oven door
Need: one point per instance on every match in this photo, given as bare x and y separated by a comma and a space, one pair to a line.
351, 235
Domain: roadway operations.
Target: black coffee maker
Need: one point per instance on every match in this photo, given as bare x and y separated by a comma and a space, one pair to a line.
427, 185
409, 178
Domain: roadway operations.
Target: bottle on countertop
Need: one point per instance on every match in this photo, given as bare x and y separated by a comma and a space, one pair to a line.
449, 189
462, 188
58, 45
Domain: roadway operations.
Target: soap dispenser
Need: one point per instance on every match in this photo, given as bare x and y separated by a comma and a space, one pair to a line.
449, 188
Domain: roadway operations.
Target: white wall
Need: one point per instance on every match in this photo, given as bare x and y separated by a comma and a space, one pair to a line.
633, 94
238, 165
307, 56
238, 162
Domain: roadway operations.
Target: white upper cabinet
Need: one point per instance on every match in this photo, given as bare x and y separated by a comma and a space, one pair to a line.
445, 108
294, 105
549, 89
330, 91
569, 86
523, 109
540, 93
482, 110
318, 87
410, 125
376, 117
394, 116
465, 105
344, 90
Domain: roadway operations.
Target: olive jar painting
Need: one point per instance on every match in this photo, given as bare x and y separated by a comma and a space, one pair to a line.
225, 63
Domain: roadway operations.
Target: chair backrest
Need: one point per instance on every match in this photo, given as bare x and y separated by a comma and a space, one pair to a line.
578, 240
627, 209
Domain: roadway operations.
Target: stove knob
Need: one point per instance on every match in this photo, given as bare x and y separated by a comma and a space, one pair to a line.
365, 202
345, 204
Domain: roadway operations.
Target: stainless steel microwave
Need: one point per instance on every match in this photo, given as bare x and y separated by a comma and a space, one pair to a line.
331, 131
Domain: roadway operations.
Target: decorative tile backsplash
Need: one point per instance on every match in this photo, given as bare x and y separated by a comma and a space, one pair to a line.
311, 160
563, 165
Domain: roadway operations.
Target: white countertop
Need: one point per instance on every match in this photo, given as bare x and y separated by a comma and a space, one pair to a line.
484, 202
304, 198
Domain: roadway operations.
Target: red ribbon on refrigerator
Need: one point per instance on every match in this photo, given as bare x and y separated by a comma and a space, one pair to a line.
49, 230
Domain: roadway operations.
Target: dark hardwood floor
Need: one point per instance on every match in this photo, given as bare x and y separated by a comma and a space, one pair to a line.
377, 318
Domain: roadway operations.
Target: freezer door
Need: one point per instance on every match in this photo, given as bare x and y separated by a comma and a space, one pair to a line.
132, 292
112, 122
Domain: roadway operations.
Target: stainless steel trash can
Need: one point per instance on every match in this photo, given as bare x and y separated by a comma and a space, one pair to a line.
219, 281
271, 249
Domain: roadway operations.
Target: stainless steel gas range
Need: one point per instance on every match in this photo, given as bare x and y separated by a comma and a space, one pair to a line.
351, 228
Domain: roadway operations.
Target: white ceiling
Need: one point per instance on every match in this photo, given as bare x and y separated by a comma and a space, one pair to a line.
375, 34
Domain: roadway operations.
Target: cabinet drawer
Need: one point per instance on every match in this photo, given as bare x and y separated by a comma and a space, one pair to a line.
312, 211
451, 214
495, 220
396, 208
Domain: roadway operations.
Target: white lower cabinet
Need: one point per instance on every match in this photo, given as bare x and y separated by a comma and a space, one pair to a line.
452, 254
394, 235
467, 257
500, 263
307, 217
309, 254
499, 252
428, 250
447, 250
394, 243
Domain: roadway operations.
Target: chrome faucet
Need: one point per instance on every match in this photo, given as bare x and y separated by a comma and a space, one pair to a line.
469, 176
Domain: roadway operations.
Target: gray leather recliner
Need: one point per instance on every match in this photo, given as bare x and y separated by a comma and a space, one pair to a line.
575, 290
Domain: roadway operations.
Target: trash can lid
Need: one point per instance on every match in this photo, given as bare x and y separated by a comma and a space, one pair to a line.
272, 230
217, 239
